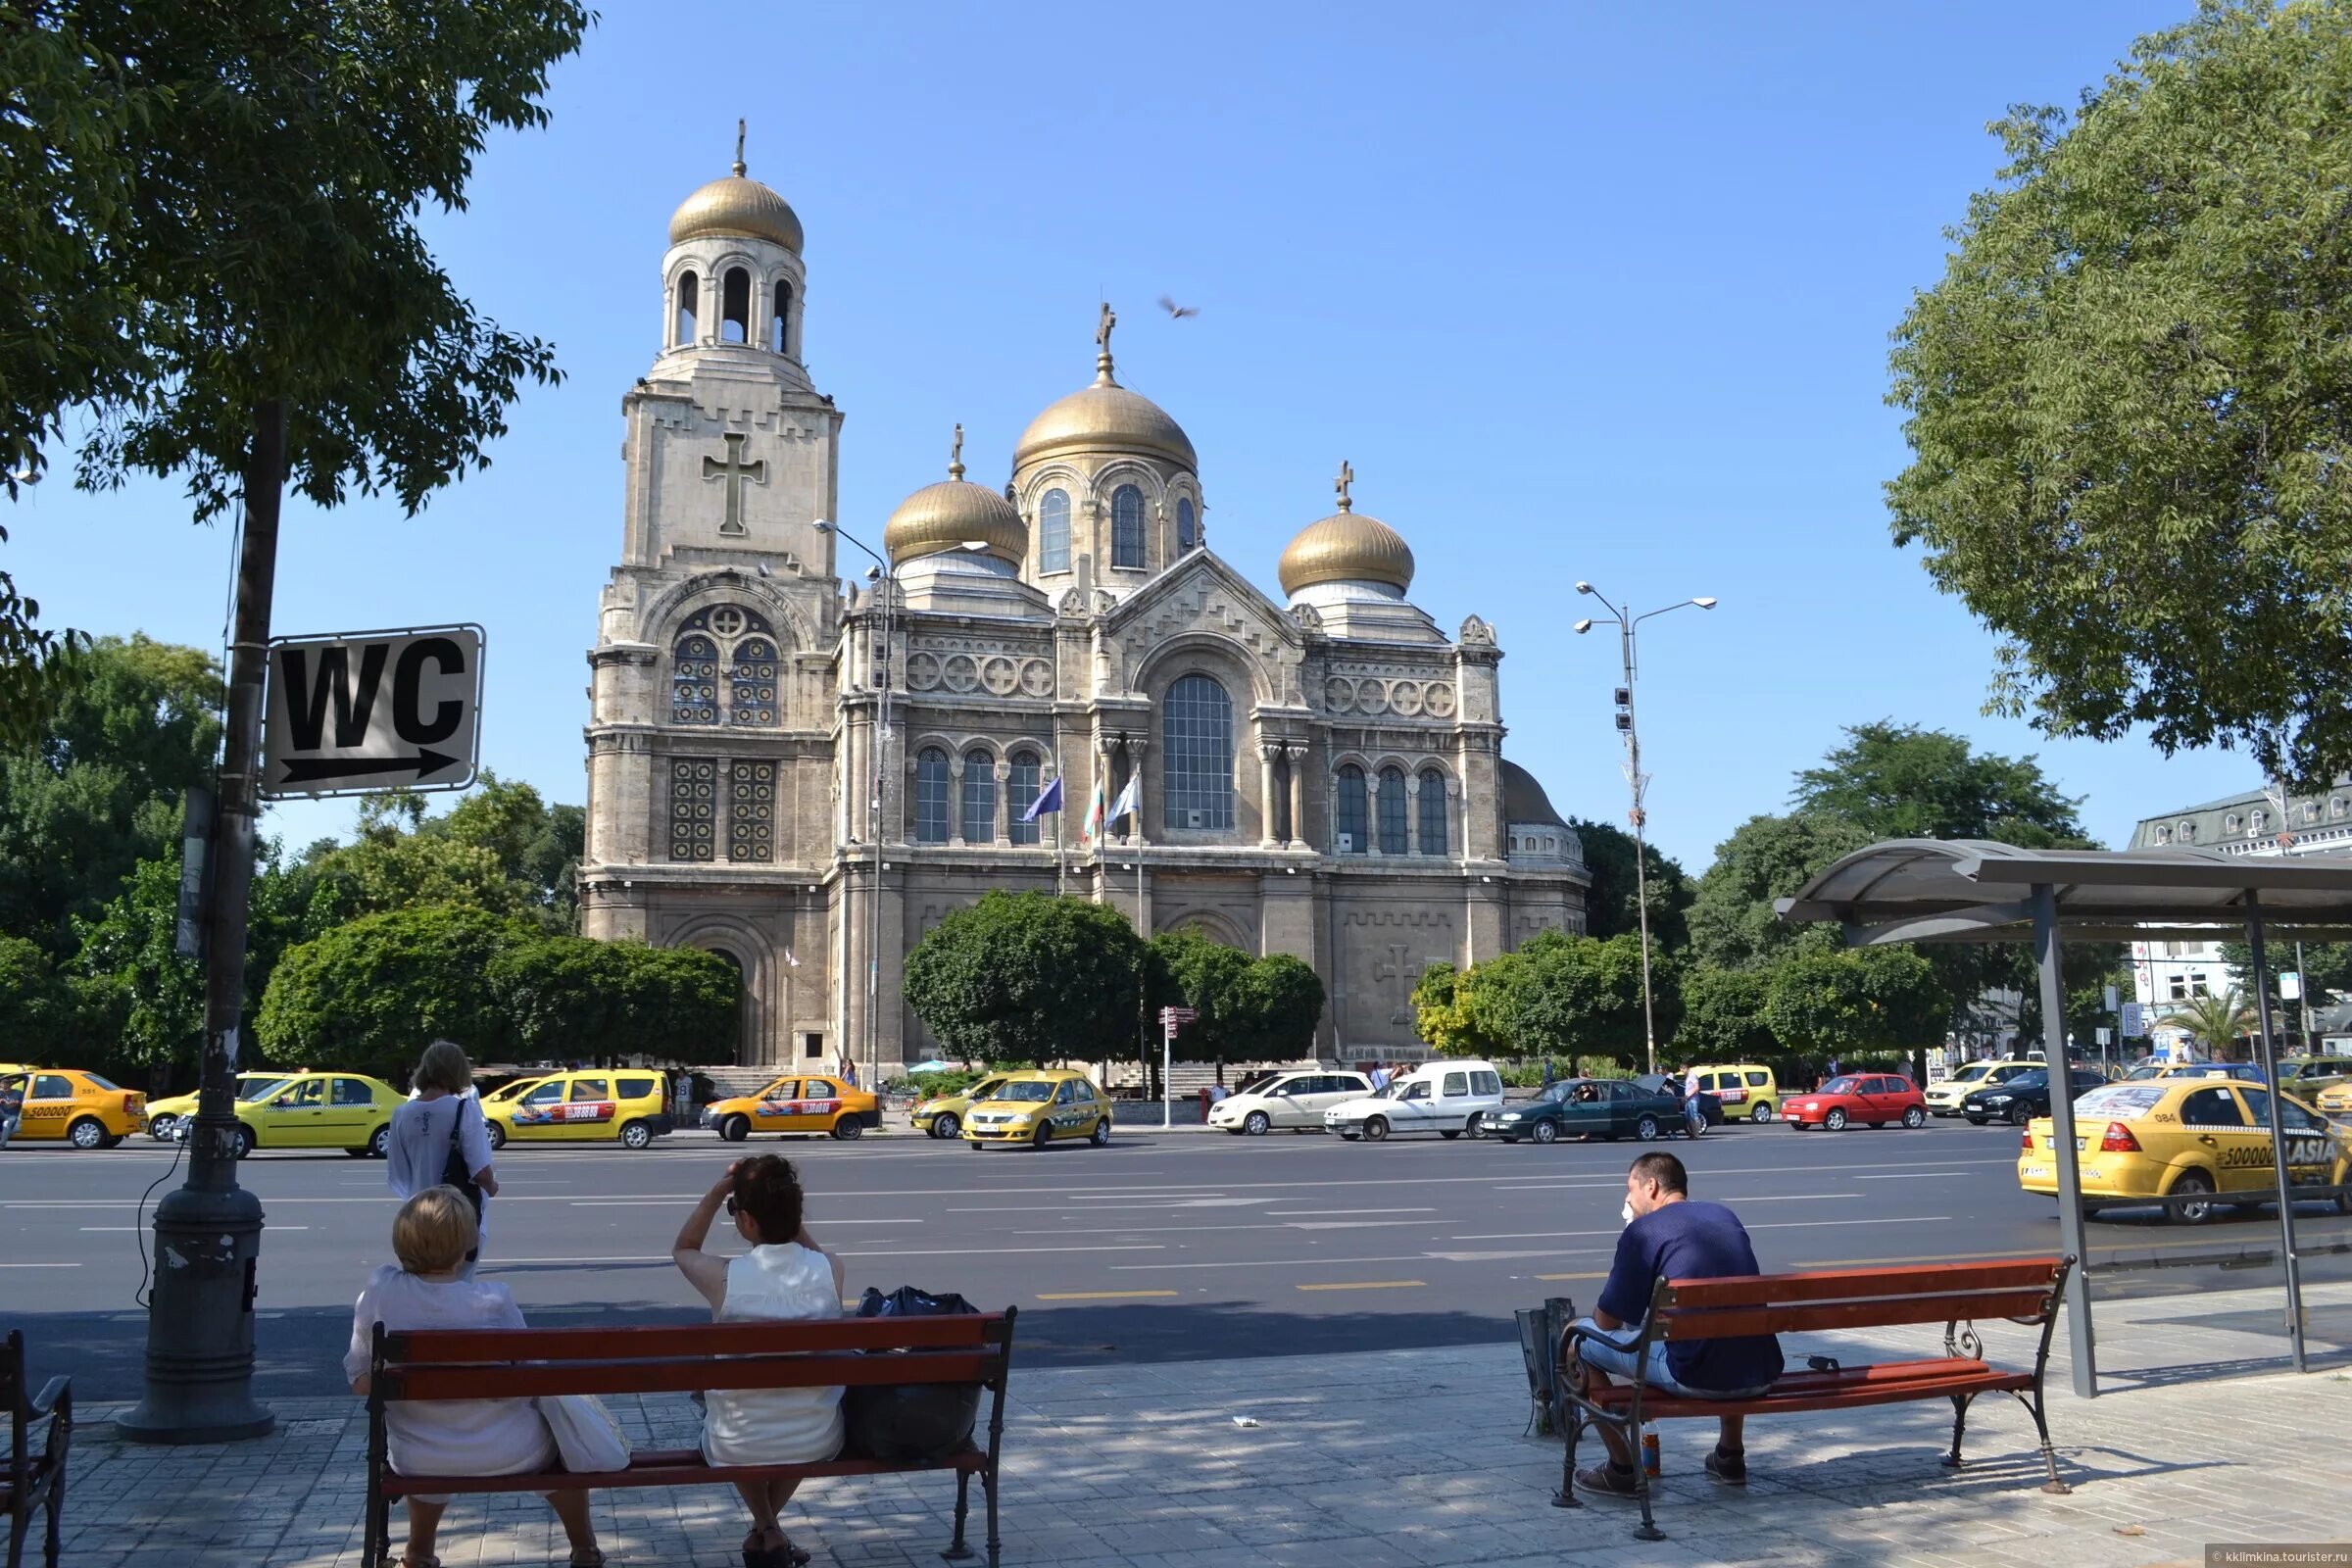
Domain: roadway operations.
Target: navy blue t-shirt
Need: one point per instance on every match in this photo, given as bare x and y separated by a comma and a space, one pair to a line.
1691, 1240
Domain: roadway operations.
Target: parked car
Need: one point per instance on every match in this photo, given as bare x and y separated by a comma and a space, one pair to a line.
2312, 1076
1296, 1101
2023, 1097
942, 1115
1038, 1109
1743, 1088
797, 1104
163, 1116
1710, 1105
1943, 1099
1446, 1097
344, 1110
627, 1105
1873, 1098
1593, 1108
79, 1107
2186, 1137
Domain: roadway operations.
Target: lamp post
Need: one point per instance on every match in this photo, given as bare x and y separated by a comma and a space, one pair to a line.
1626, 637
877, 681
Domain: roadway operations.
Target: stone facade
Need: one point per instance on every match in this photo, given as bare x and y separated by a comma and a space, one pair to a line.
1322, 776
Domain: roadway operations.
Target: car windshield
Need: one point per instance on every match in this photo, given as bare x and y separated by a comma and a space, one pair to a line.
1027, 1093
1973, 1072
1561, 1089
101, 1082
1845, 1085
2029, 1080
258, 1087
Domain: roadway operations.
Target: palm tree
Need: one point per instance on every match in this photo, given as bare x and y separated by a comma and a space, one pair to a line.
2214, 1020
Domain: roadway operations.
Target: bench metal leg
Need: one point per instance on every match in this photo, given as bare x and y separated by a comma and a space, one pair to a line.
1960, 1404
958, 1549
2050, 1455
1571, 1422
994, 1545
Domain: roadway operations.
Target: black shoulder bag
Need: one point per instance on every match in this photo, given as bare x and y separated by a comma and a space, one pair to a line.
454, 1172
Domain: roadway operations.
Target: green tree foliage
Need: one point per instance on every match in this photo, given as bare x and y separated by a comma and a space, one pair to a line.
35, 1010
101, 788
1029, 977
1843, 1003
1248, 1008
2218, 1020
1724, 1015
1611, 903
370, 994
501, 849
1557, 996
1467, 1012
569, 998
1900, 781
1734, 924
2130, 394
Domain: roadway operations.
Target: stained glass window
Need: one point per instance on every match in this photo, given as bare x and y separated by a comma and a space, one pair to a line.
1127, 526
1054, 531
931, 795
751, 812
1022, 785
1350, 828
693, 809
1392, 810
1433, 811
726, 667
694, 680
753, 682
979, 804
1198, 778
1188, 527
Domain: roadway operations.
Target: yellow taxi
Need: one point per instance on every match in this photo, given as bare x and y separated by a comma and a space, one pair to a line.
2310, 1077
2186, 1137
1038, 1109
2337, 1102
798, 1102
1747, 1090
80, 1109
628, 1106
942, 1115
345, 1110
163, 1116
1943, 1096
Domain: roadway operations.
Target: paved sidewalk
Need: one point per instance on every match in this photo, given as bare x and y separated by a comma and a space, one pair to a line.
1400, 1458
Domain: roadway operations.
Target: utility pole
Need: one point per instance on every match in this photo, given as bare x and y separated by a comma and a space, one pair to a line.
208, 1234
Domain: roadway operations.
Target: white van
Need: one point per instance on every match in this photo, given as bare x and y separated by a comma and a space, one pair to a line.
1293, 1099
1446, 1097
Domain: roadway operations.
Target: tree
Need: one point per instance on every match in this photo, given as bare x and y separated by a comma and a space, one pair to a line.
1723, 1015
1029, 977
370, 995
1841, 1003
1287, 997
1900, 781
1467, 1012
1734, 924
569, 996
2218, 1020
1246, 1010
2128, 394
1612, 903
501, 847
1582, 996
35, 1011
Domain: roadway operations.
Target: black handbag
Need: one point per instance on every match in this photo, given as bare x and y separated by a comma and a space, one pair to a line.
917, 1423
455, 1174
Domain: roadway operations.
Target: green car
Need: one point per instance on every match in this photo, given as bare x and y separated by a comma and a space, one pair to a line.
1596, 1107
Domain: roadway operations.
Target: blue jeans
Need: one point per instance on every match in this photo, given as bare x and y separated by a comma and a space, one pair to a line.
1655, 1372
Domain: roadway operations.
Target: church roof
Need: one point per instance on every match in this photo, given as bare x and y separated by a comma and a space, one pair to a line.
1346, 547
738, 206
1524, 800
952, 514
1106, 417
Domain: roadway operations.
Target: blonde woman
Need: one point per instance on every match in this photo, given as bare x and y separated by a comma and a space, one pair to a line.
439, 1138
432, 1237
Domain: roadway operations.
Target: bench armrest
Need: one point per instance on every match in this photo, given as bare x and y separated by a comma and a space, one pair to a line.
55, 1390
1580, 1331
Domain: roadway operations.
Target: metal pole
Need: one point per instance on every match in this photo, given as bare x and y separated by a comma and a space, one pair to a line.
2303, 997
1633, 751
2269, 1077
879, 671
2079, 1335
208, 1234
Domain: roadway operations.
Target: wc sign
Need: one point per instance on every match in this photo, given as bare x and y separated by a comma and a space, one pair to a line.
373, 710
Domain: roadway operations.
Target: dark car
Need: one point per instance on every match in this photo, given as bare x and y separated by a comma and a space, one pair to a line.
2019, 1100
1665, 1083
1590, 1107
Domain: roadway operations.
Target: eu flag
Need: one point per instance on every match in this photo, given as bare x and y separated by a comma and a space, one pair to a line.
1048, 799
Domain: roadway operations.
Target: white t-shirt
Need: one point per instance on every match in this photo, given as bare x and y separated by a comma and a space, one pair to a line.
775, 1426
455, 1437
418, 1152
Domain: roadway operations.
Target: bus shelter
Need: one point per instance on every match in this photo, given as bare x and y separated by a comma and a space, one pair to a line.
1977, 890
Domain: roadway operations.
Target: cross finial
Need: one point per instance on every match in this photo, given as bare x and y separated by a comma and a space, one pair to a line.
1346, 477
956, 455
1110, 320
739, 149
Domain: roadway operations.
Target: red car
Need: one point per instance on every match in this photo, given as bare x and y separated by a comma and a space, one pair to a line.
1874, 1098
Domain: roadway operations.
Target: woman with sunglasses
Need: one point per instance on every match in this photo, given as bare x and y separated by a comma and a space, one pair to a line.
784, 1276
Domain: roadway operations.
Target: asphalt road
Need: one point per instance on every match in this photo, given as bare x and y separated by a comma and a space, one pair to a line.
1162, 1247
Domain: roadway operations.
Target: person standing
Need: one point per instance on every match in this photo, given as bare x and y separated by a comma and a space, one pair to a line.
12, 1103
1549, 1078
1380, 1076
439, 1138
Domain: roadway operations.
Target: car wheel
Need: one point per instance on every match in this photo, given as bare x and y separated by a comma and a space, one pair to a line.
87, 1133
1915, 1118
1759, 1113
1834, 1121
1043, 1136
947, 1124
2191, 1184
1547, 1132
1101, 1137
1646, 1128
160, 1128
498, 1135
1376, 1128
244, 1140
380, 1143
1257, 1124
636, 1135
2019, 1115
1476, 1126
849, 1129
360, 1152
735, 1129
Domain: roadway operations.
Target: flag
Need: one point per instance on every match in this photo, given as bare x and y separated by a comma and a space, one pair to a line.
1090, 832
1128, 800
1048, 799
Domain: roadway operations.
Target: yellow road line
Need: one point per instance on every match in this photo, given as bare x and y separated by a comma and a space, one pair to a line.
1369, 1285
1603, 1275
1099, 1296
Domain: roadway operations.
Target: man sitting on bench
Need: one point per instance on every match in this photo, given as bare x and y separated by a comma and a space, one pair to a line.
1670, 1237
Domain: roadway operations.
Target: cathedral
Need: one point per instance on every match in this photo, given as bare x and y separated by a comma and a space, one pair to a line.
802, 762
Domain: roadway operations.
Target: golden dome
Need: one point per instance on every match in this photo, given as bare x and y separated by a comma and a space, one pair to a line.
952, 514
737, 206
1104, 417
1346, 547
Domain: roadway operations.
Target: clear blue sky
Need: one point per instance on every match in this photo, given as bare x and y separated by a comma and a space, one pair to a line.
1581, 291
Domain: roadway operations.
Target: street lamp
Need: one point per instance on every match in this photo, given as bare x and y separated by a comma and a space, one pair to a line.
877, 681
1635, 777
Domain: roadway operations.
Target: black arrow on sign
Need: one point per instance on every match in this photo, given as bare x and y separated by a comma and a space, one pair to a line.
304, 770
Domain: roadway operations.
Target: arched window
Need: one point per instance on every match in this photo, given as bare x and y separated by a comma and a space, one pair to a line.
726, 650
753, 682
735, 307
779, 327
1127, 527
690, 308
979, 795
1350, 838
1392, 810
1197, 781
1054, 531
1021, 783
931, 795
1188, 527
1433, 811
694, 680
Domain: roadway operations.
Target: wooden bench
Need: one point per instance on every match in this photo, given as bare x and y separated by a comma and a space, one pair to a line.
529, 1363
34, 1480
2024, 1291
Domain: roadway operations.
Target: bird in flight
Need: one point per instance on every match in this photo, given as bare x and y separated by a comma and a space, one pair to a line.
1176, 310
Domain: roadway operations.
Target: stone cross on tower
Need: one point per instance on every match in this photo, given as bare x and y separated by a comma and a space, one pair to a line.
1346, 477
956, 455
1110, 320
732, 472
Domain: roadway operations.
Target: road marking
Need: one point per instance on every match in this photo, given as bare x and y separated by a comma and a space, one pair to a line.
1099, 1296
514, 1262
40, 1265
1273, 1262
1912, 1176
1370, 1285
273, 1229
999, 1251
1305, 1213
1602, 1275
1220, 1230
1895, 1219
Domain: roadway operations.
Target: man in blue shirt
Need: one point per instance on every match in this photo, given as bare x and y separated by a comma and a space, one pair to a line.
1669, 1237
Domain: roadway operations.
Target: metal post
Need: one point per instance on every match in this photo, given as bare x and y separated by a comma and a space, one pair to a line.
2303, 999
878, 672
2079, 1335
1633, 774
2268, 1056
208, 1234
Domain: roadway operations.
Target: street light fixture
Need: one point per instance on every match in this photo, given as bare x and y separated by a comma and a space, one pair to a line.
878, 682
1640, 781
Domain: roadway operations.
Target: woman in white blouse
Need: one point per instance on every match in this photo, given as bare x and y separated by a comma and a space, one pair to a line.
442, 1127
785, 1275
431, 1237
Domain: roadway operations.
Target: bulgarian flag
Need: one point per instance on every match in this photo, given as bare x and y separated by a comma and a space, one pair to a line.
1090, 832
